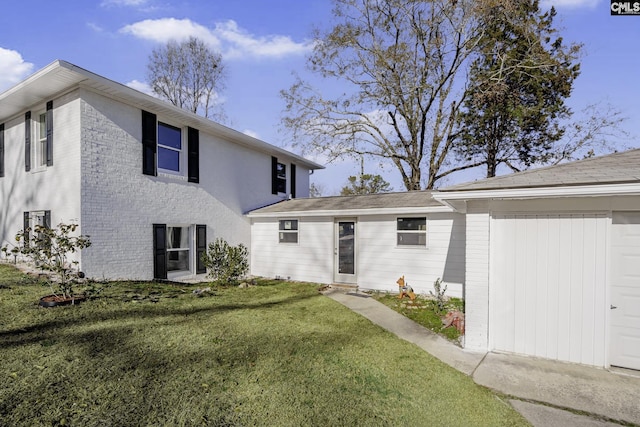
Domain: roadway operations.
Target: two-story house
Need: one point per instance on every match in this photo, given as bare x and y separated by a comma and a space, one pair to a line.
150, 183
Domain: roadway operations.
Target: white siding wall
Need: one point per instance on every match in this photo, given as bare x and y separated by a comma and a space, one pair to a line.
379, 261
120, 204
310, 260
477, 277
548, 286
55, 188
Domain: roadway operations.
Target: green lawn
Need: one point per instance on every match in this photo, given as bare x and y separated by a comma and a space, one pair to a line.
278, 354
424, 311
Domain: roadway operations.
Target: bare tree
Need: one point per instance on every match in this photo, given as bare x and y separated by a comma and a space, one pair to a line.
189, 75
404, 61
411, 68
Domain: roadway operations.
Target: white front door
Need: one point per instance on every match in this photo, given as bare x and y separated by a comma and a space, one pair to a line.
625, 290
345, 251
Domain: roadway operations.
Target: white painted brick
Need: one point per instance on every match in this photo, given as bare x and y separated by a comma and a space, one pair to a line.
97, 180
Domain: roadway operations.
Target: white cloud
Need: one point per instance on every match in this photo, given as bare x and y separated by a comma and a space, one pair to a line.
241, 43
251, 133
227, 37
95, 27
141, 86
569, 4
12, 68
123, 2
165, 29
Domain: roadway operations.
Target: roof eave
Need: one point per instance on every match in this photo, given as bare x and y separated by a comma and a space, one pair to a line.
61, 75
352, 212
539, 192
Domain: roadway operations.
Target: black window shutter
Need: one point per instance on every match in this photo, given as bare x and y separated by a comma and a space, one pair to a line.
201, 248
27, 141
1, 150
50, 133
293, 181
25, 228
47, 219
193, 142
149, 144
274, 175
159, 251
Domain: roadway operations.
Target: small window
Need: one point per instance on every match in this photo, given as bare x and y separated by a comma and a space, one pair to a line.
412, 231
177, 248
32, 223
288, 231
169, 147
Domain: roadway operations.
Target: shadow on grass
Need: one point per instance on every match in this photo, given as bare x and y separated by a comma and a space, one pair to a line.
16, 336
119, 372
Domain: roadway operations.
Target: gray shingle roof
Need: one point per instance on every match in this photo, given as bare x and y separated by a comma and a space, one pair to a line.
369, 201
623, 167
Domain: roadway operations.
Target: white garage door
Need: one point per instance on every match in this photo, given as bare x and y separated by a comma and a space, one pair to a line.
547, 290
625, 290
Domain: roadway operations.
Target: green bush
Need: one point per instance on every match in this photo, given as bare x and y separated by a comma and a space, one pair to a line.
226, 263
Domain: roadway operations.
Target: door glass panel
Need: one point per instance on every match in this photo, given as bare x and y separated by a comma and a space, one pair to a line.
346, 247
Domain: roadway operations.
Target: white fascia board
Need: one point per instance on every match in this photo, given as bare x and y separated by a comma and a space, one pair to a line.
541, 192
352, 212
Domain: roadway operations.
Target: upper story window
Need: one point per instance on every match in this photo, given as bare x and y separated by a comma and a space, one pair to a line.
164, 148
40, 140
412, 231
279, 177
169, 147
288, 231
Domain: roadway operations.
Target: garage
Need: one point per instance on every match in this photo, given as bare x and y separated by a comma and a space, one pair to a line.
625, 290
548, 289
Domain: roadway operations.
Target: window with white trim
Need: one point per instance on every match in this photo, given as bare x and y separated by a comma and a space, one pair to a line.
170, 148
288, 231
412, 231
40, 140
178, 248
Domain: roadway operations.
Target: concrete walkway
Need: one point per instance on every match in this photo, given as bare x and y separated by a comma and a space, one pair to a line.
546, 393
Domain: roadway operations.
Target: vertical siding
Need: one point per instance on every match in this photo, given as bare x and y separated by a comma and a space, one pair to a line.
547, 286
477, 277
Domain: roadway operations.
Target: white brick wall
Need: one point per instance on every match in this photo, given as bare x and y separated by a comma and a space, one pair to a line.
97, 181
55, 188
120, 204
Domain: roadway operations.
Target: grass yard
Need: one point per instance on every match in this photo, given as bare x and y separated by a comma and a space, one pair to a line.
278, 354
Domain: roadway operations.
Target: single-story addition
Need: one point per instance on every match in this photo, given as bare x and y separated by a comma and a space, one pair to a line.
548, 260
365, 240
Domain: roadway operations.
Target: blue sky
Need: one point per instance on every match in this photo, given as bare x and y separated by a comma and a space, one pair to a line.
264, 41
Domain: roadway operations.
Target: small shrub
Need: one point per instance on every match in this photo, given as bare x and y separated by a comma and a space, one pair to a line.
49, 249
226, 263
441, 300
